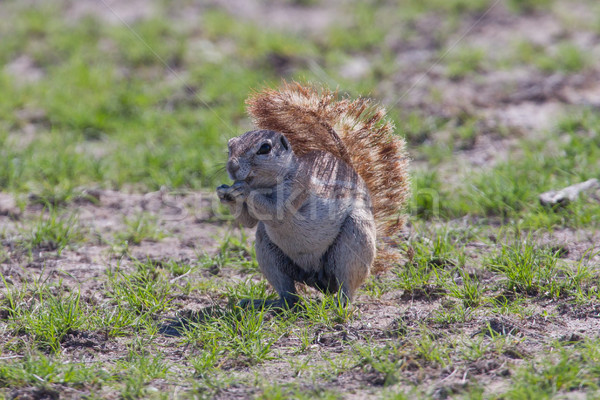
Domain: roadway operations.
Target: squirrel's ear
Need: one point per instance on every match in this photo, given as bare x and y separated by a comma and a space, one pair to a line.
285, 143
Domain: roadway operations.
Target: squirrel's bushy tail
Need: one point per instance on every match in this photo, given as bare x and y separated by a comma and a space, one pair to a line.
356, 131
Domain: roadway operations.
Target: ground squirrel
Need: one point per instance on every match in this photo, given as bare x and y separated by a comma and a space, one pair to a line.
323, 178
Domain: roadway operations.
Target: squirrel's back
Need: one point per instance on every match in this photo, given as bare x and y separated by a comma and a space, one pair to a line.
356, 131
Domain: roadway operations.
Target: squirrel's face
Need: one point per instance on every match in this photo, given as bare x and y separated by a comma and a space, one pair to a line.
259, 157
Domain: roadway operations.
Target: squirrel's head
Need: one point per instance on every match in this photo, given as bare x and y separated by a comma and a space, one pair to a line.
260, 157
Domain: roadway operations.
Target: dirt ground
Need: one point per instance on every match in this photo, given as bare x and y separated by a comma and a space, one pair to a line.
193, 229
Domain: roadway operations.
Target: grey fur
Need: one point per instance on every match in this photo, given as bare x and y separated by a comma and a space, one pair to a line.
314, 215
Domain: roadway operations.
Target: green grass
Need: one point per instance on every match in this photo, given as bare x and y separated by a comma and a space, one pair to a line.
43, 318
146, 291
464, 61
52, 232
528, 6
467, 288
529, 270
569, 368
509, 190
564, 57
241, 337
425, 201
277, 392
384, 360
363, 15
139, 369
140, 227
96, 103
237, 252
43, 371
329, 312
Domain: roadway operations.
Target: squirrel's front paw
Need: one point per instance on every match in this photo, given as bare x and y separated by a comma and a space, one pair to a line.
238, 192
224, 194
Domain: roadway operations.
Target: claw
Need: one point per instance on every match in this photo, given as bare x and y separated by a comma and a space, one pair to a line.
224, 193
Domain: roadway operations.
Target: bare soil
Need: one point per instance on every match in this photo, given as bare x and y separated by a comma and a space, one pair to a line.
192, 229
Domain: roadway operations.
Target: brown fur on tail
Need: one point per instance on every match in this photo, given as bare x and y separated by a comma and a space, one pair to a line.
357, 131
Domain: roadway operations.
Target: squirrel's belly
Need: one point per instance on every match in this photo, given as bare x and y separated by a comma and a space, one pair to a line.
311, 231
304, 244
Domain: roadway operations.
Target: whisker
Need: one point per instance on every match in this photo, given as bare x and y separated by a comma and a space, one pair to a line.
216, 170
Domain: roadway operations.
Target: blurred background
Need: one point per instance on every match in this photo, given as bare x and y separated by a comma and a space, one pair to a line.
498, 99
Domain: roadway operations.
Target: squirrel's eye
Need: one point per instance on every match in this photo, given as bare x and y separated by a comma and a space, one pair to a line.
264, 149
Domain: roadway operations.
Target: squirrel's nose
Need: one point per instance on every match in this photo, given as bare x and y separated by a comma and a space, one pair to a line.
233, 165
